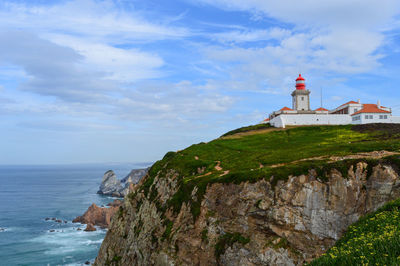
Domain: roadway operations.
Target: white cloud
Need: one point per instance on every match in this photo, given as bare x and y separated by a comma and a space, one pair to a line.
123, 65
97, 20
334, 13
251, 35
325, 37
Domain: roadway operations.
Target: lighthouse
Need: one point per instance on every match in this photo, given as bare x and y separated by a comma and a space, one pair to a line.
301, 96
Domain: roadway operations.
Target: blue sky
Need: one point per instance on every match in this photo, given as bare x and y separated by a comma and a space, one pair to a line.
87, 81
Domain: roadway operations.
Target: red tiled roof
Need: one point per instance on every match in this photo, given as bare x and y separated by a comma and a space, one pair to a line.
321, 109
351, 102
266, 119
286, 109
370, 108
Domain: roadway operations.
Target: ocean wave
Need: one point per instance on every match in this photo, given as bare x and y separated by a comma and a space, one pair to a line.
12, 229
70, 240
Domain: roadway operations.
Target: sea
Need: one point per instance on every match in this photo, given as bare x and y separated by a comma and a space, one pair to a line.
29, 194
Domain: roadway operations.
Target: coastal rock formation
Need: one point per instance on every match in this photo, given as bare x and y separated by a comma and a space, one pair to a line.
96, 215
285, 222
111, 186
90, 228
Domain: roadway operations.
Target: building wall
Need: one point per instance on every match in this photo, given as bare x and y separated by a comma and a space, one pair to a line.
375, 118
302, 102
354, 108
347, 109
310, 119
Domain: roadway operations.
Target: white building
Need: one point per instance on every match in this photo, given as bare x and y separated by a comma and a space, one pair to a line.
349, 113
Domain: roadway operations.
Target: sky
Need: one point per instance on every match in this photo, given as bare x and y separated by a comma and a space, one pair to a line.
86, 81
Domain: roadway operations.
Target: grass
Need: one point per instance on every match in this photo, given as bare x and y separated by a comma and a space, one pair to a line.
250, 157
373, 240
247, 129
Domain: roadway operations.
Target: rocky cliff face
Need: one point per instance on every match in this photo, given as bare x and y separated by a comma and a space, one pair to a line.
100, 216
111, 186
245, 224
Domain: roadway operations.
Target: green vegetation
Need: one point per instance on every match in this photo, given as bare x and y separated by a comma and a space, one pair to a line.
168, 229
247, 129
204, 235
272, 155
373, 240
278, 243
116, 259
121, 212
227, 240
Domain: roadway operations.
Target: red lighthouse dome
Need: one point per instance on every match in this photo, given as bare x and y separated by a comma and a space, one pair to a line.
300, 83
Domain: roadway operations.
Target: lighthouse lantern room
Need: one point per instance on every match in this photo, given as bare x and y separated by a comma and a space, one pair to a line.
301, 96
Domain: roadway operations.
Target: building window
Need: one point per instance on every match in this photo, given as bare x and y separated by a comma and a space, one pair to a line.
302, 98
385, 117
355, 110
366, 116
380, 116
371, 117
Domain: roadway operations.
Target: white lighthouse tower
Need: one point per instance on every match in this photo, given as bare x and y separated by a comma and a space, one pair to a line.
301, 96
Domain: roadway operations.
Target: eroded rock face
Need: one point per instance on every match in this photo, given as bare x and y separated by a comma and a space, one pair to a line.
287, 224
111, 186
99, 216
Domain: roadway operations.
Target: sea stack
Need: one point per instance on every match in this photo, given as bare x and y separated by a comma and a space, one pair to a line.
111, 186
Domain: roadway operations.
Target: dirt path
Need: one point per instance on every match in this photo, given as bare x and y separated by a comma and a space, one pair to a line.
369, 155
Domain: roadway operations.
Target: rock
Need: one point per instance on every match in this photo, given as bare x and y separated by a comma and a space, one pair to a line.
111, 186
135, 175
2, 229
78, 229
98, 216
288, 223
115, 203
90, 228
87, 262
58, 221
47, 218
52, 230
65, 221
53, 219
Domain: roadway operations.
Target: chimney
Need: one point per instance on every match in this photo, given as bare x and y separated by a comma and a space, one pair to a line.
379, 104
359, 101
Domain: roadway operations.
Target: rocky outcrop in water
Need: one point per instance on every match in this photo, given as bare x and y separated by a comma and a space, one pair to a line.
90, 228
245, 224
99, 216
111, 186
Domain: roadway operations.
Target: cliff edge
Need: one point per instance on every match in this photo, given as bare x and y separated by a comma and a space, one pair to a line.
267, 197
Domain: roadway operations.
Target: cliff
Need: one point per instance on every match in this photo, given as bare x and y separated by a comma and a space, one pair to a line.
262, 198
111, 186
